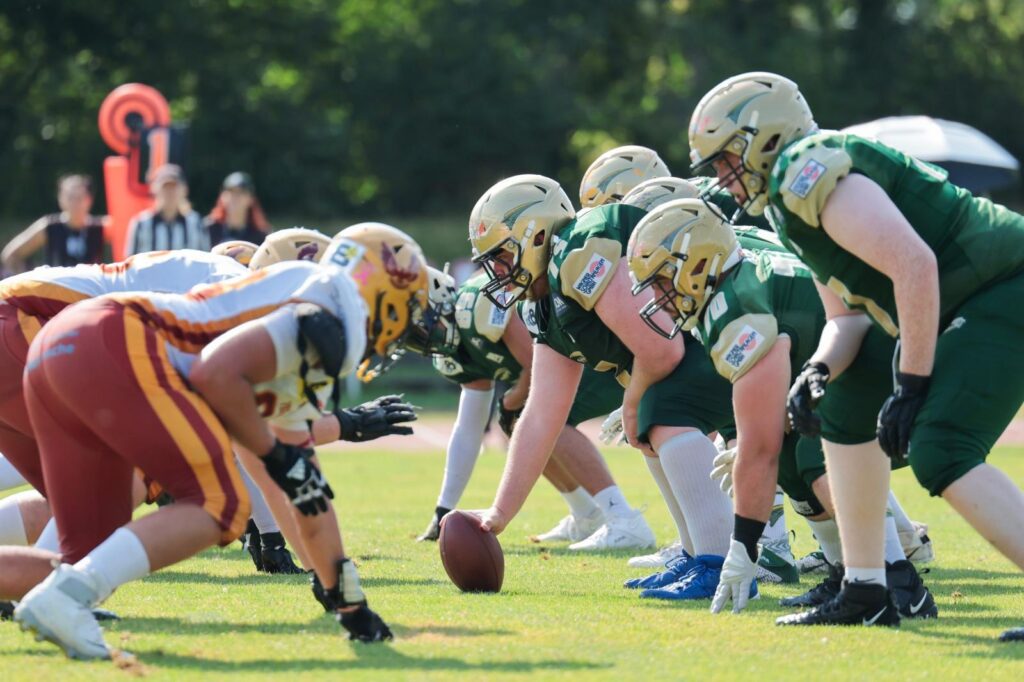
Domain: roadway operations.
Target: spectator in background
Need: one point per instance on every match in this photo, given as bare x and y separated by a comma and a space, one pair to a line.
70, 237
171, 223
237, 214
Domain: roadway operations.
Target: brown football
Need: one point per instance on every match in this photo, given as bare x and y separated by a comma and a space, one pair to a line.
472, 558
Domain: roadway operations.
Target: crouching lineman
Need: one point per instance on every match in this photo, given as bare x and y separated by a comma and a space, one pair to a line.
474, 342
308, 321
930, 264
759, 319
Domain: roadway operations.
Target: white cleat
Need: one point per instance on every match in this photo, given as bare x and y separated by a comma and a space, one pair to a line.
572, 528
659, 559
59, 610
917, 545
813, 563
628, 531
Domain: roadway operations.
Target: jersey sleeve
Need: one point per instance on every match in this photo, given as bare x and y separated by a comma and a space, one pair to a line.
585, 272
742, 343
807, 175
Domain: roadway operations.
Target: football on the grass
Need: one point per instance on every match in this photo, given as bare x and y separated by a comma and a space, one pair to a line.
472, 558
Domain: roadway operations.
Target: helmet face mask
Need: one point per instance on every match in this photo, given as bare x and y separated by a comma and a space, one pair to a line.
507, 282
435, 333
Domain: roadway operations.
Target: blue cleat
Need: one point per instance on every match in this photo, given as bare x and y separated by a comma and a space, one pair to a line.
699, 582
675, 569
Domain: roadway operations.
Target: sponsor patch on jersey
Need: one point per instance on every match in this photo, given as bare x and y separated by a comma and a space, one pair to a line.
588, 281
743, 347
498, 316
447, 366
347, 254
560, 305
807, 178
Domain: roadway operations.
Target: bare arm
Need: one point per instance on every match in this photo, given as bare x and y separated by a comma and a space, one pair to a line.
21, 248
759, 402
842, 335
862, 219
555, 380
517, 339
654, 356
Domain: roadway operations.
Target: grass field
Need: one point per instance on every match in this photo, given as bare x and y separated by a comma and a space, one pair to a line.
559, 615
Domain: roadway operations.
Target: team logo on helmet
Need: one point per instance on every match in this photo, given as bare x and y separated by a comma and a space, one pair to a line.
400, 277
308, 252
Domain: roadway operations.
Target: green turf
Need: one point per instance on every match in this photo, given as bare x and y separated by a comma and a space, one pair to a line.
559, 616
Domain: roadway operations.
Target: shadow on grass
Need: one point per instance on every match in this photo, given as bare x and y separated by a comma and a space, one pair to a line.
262, 579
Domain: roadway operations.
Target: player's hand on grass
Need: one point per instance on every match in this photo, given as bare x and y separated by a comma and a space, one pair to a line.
722, 471
364, 625
612, 432
347, 601
492, 520
293, 470
896, 419
376, 418
807, 391
738, 574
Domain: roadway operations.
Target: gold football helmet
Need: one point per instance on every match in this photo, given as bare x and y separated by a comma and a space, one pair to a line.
510, 229
295, 243
436, 334
239, 249
617, 171
389, 270
650, 194
753, 115
680, 250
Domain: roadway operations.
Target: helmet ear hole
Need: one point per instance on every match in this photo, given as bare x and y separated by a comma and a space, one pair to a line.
771, 144
538, 239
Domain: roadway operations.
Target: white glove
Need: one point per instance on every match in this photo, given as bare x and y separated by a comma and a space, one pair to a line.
738, 574
722, 472
611, 430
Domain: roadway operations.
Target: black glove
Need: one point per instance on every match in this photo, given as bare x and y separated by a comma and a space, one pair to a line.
361, 623
896, 420
376, 418
293, 471
506, 417
807, 391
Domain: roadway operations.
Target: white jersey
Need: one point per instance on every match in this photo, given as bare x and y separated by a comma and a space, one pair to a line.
209, 316
45, 291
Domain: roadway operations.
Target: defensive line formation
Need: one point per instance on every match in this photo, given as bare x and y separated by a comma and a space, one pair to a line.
805, 313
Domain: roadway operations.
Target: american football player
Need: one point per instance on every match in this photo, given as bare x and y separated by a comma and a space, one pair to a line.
613, 174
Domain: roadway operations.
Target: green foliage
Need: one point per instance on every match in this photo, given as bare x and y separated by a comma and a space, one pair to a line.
363, 107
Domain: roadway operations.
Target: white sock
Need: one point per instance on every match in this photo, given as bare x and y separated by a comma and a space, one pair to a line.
119, 559
464, 445
688, 460
612, 502
12, 526
903, 523
775, 530
827, 534
261, 514
9, 476
581, 504
654, 465
866, 575
48, 539
893, 546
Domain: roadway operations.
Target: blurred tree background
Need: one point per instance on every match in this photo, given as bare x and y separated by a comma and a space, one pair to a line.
411, 108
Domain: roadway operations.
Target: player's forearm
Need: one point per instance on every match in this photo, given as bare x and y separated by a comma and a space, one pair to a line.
916, 290
232, 399
326, 429
322, 538
840, 342
528, 453
754, 480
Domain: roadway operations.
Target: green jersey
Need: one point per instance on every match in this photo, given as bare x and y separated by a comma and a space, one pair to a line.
481, 353
584, 255
976, 242
769, 293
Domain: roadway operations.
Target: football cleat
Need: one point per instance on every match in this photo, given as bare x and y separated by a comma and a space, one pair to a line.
912, 598
824, 591
777, 563
917, 546
276, 558
251, 542
674, 571
1012, 635
813, 563
856, 604
573, 528
659, 559
433, 531
59, 610
700, 582
7, 612
627, 531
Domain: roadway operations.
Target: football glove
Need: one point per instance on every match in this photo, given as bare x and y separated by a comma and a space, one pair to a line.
507, 418
292, 469
896, 419
738, 574
804, 396
724, 462
376, 418
361, 623
612, 432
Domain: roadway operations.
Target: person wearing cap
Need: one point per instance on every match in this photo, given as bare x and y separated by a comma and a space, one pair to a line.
171, 223
237, 214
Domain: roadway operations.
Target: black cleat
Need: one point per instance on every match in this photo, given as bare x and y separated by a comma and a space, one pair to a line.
1012, 635
856, 604
824, 591
433, 531
275, 557
911, 596
6, 610
251, 541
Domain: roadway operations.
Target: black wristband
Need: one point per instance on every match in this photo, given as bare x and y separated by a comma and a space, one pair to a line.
912, 383
748, 532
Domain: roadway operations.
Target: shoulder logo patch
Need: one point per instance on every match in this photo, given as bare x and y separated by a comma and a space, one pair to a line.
597, 269
498, 316
807, 178
743, 347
